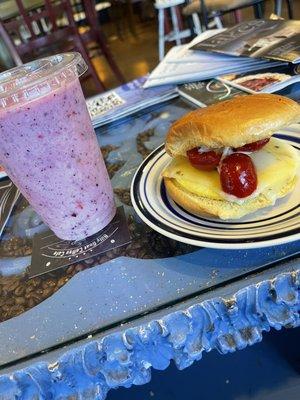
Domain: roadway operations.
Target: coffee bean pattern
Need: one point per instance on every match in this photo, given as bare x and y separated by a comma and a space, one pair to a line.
123, 195
18, 293
140, 142
16, 247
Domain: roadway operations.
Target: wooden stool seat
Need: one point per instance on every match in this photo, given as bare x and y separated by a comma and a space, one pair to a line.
214, 5
167, 3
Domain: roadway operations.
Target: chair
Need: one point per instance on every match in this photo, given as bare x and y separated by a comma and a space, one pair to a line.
79, 13
51, 27
278, 7
122, 15
215, 8
209, 9
93, 32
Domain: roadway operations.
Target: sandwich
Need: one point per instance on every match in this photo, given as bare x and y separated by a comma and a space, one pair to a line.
225, 162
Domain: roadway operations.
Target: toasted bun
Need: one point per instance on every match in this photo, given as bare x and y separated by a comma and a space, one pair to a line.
232, 123
221, 208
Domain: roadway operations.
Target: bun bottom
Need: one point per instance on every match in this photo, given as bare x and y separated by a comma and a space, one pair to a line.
223, 209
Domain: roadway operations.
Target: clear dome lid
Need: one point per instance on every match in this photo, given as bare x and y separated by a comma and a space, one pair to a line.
37, 78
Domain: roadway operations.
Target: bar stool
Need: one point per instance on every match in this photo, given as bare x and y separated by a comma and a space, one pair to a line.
176, 34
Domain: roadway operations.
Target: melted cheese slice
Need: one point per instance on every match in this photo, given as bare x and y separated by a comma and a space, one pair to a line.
276, 165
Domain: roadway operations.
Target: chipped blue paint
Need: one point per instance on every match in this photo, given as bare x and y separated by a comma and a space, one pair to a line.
125, 358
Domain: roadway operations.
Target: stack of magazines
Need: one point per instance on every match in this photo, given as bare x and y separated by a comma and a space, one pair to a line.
277, 40
284, 80
270, 39
253, 56
249, 46
125, 100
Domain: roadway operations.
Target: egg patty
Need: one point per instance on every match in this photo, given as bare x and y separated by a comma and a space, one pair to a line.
276, 165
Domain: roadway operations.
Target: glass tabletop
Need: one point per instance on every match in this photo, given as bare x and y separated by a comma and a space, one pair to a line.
123, 145
151, 272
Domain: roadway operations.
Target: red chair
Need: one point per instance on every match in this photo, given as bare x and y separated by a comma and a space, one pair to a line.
95, 33
50, 28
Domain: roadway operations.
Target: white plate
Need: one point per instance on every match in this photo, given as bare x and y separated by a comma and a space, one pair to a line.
269, 226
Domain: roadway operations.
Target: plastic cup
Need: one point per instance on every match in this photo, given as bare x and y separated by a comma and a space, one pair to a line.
49, 149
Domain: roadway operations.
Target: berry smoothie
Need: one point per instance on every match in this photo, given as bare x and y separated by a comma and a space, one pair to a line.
49, 149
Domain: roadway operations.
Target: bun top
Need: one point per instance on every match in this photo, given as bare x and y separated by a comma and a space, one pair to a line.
232, 123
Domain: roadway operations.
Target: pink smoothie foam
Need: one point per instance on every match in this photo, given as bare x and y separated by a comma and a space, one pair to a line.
50, 151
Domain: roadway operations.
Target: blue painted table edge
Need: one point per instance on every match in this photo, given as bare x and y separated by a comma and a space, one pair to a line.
229, 320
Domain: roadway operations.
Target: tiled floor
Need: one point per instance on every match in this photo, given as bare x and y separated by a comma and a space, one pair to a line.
138, 55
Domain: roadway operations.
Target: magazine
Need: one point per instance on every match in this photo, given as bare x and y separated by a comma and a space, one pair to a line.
291, 91
205, 93
182, 64
272, 39
283, 80
171, 72
269, 80
125, 100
